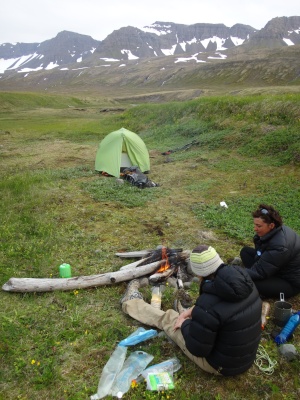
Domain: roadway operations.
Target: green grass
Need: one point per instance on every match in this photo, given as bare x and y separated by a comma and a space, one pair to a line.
125, 195
28, 101
54, 208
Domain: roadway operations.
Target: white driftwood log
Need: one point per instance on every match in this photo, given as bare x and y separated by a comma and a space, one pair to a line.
134, 264
134, 254
79, 282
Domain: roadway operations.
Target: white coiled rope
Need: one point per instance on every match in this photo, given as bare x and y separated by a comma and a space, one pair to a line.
263, 361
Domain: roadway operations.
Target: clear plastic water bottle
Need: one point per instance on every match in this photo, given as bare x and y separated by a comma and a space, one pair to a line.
171, 365
288, 329
156, 297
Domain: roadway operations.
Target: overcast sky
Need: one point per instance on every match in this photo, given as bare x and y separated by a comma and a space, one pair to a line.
31, 21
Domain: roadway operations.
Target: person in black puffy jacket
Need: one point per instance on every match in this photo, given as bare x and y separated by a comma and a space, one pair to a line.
274, 262
224, 326
222, 331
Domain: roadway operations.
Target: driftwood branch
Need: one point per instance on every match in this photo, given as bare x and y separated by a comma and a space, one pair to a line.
134, 264
134, 254
80, 282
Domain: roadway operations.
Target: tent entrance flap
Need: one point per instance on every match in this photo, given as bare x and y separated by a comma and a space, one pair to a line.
125, 161
119, 149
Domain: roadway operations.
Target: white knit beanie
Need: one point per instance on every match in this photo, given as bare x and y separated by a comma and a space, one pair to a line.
205, 260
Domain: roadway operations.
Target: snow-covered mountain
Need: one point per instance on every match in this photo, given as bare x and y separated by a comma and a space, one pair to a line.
66, 48
163, 54
189, 43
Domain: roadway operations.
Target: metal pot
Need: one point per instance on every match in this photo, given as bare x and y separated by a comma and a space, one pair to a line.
282, 311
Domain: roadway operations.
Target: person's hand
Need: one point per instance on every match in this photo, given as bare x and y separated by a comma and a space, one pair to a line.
182, 317
179, 321
187, 313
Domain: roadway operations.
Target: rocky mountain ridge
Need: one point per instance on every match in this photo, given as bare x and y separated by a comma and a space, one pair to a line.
70, 55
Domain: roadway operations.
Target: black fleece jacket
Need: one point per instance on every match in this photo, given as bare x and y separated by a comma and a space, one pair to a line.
226, 321
277, 254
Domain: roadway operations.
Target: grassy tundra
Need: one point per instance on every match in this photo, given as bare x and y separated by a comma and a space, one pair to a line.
54, 208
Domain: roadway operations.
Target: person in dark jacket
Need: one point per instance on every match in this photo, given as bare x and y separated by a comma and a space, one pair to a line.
274, 262
222, 331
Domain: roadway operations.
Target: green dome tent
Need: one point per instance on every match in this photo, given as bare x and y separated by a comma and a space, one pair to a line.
120, 149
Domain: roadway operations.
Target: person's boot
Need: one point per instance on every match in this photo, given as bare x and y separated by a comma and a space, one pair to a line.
132, 291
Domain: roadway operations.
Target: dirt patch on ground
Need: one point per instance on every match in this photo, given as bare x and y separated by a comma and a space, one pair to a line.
46, 154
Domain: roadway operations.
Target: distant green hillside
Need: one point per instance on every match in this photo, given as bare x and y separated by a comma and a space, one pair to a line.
255, 126
12, 100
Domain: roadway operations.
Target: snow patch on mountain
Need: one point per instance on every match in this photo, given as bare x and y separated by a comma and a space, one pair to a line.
129, 54
157, 29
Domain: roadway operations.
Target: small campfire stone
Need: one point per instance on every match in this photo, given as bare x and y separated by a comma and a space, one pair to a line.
172, 282
189, 268
288, 351
144, 282
236, 261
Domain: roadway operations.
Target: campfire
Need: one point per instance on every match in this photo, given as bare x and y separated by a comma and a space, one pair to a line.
172, 268
170, 262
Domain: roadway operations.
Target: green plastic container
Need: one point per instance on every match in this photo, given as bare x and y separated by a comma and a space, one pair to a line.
65, 271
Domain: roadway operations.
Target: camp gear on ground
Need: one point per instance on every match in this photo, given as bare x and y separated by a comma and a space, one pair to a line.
288, 329
264, 313
65, 271
137, 178
282, 311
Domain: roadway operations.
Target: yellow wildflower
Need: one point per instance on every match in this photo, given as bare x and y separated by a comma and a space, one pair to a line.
134, 383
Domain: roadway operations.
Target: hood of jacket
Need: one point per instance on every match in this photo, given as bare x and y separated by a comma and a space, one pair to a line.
231, 283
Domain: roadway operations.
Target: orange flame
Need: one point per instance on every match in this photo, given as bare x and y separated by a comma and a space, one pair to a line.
164, 257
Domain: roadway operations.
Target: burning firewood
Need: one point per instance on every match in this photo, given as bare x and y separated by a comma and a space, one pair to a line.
159, 276
172, 261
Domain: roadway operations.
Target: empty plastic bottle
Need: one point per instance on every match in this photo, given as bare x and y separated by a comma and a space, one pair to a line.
156, 297
109, 373
288, 329
171, 365
138, 336
264, 314
132, 368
